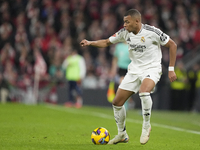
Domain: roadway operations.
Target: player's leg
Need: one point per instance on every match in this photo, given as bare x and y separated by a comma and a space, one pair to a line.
122, 73
79, 100
146, 102
120, 115
69, 103
128, 86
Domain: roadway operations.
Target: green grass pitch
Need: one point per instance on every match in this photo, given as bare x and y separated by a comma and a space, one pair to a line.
54, 127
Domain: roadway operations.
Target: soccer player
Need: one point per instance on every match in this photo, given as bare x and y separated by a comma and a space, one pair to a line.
144, 71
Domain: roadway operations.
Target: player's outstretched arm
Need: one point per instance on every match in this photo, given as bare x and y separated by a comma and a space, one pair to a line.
172, 60
98, 43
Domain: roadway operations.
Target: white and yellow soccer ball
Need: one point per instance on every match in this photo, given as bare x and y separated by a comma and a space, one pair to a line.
100, 136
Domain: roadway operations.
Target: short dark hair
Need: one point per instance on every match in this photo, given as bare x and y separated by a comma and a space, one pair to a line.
132, 13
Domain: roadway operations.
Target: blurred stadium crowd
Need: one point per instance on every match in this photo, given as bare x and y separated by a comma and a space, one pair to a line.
54, 27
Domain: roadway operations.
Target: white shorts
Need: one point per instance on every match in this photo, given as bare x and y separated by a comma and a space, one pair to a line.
132, 82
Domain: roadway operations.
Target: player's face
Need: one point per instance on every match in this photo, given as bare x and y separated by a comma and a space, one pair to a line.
131, 24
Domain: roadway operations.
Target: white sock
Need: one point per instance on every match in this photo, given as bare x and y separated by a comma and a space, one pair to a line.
120, 117
146, 102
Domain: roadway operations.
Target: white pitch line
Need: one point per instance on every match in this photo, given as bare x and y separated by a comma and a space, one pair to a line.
105, 116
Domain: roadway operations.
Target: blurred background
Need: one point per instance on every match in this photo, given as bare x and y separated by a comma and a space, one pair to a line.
41, 34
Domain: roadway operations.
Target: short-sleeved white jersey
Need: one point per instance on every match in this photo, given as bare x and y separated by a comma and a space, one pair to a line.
144, 47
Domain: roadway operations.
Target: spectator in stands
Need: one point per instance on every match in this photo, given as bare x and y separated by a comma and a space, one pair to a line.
55, 68
37, 29
7, 53
21, 39
4, 89
67, 47
6, 30
10, 73
65, 26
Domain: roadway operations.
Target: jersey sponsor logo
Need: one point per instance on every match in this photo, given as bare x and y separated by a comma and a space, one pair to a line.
142, 39
138, 48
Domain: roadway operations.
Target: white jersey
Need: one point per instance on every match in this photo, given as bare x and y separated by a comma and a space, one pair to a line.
144, 47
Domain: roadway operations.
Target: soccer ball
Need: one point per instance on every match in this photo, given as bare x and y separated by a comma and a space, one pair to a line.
100, 136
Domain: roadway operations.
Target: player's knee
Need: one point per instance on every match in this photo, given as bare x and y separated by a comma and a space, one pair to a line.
144, 91
116, 102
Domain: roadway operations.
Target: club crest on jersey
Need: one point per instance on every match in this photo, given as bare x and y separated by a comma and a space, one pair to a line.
142, 39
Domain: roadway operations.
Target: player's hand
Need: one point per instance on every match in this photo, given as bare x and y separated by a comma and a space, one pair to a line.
79, 82
172, 76
85, 42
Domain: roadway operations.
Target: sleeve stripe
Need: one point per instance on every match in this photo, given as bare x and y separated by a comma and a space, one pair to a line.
147, 27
